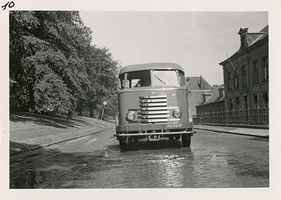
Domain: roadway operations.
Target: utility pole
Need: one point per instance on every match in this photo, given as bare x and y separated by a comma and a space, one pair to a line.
103, 107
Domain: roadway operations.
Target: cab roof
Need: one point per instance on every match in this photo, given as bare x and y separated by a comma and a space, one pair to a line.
148, 66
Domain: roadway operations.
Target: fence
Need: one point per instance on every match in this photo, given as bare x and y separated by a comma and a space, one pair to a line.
253, 117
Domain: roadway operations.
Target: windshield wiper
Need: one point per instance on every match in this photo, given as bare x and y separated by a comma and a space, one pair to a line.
160, 80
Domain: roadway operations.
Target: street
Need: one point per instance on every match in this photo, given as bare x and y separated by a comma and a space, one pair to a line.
214, 160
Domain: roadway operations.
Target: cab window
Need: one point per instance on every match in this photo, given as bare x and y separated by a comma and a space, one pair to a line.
139, 79
135, 79
161, 78
181, 78
121, 81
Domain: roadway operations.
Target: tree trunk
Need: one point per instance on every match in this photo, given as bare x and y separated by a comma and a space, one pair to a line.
91, 107
31, 103
80, 110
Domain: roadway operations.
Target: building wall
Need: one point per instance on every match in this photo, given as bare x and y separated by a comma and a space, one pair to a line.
195, 98
197, 87
217, 106
247, 94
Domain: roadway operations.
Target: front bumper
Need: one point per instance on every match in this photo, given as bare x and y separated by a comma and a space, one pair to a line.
154, 129
150, 134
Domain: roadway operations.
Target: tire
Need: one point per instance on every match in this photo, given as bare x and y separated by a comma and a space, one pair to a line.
123, 144
136, 143
186, 140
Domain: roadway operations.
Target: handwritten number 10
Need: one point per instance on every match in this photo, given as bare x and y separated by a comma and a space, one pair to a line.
9, 4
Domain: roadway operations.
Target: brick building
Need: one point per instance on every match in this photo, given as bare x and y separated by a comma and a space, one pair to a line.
215, 103
246, 77
199, 90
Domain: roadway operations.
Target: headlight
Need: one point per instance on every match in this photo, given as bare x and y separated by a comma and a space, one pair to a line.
177, 113
131, 115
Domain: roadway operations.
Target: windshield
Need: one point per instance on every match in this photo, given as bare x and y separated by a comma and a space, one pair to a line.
135, 79
151, 78
164, 78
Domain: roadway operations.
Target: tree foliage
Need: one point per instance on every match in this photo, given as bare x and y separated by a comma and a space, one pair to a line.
54, 67
102, 72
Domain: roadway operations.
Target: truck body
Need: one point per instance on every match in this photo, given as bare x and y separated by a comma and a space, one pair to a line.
153, 104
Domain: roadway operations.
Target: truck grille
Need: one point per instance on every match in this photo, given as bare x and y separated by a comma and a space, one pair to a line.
154, 109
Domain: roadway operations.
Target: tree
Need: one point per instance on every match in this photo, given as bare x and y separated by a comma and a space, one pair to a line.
46, 51
102, 70
53, 67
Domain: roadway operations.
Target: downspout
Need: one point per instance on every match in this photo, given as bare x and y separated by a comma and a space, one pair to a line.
249, 81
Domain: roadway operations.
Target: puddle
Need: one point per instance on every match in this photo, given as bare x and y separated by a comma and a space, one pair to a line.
32, 179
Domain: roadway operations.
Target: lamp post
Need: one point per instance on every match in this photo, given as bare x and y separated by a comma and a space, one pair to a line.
103, 107
104, 104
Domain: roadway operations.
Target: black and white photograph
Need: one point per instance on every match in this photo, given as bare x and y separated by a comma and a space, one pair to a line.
137, 101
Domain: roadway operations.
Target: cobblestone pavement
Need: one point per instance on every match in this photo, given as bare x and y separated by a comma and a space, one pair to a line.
214, 161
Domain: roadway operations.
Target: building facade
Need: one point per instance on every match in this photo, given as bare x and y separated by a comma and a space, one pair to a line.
198, 91
215, 103
246, 73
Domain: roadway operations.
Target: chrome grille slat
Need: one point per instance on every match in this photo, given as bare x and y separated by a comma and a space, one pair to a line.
154, 116
155, 112
154, 97
153, 100
154, 109
153, 104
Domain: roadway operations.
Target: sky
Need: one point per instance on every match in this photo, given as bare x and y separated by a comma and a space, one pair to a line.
198, 41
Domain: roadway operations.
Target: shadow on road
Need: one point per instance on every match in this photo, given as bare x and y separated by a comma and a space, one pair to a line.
17, 148
58, 121
149, 145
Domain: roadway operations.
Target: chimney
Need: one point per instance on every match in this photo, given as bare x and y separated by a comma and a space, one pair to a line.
215, 86
221, 92
243, 32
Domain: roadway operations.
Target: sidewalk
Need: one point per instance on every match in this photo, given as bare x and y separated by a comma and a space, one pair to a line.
235, 130
32, 131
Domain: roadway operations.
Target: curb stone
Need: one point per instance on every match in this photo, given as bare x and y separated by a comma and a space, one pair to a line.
55, 142
232, 132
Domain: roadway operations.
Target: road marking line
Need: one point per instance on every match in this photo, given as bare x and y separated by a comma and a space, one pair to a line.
92, 140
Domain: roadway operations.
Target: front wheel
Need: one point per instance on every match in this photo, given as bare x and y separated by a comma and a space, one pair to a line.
136, 143
123, 144
186, 140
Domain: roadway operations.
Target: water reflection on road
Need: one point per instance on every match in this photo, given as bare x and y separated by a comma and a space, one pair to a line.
226, 161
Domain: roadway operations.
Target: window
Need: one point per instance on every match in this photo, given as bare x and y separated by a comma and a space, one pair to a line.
264, 62
122, 81
161, 78
135, 79
230, 104
245, 102
244, 76
229, 80
265, 100
146, 78
255, 72
181, 78
236, 85
139, 79
237, 103
255, 101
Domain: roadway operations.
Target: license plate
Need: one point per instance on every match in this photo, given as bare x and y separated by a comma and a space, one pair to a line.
174, 126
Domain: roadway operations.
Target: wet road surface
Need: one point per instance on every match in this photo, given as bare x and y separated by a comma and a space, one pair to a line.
214, 160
